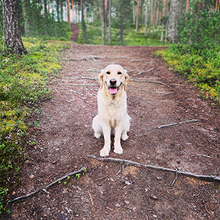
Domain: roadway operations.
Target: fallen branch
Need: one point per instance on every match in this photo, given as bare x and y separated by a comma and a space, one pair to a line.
147, 81
84, 58
189, 174
143, 72
172, 124
82, 169
84, 77
77, 84
132, 61
160, 93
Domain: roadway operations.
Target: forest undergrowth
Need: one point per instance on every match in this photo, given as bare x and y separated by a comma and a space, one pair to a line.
23, 84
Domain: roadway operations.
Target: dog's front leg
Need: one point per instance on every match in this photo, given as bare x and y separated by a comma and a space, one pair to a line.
117, 144
107, 137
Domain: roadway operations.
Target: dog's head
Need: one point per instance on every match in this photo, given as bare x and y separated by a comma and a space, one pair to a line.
114, 78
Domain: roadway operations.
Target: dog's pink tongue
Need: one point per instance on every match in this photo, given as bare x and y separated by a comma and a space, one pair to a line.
113, 91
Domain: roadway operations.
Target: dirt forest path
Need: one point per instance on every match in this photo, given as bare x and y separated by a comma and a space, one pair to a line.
75, 31
109, 190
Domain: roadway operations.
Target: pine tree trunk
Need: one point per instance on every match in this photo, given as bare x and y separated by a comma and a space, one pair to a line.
12, 37
25, 6
133, 11
45, 8
103, 22
137, 16
83, 22
110, 23
121, 22
173, 21
61, 11
57, 4
146, 8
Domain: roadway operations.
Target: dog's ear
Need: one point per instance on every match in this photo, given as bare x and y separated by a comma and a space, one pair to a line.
126, 79
101, 79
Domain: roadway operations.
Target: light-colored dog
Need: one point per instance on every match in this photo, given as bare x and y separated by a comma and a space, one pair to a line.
112, 108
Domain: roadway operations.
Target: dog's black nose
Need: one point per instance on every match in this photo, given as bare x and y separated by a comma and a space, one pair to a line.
113, 82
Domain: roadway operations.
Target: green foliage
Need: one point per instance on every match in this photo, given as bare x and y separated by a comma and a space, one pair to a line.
23, 83
130, 36
200, 67
200, 30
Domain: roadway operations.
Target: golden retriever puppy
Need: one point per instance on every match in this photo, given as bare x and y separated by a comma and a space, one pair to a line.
112, 108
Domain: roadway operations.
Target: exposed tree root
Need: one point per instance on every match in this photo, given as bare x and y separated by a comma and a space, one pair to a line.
82, 169
189, 174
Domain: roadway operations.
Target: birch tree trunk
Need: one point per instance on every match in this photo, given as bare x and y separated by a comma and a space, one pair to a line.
103, 22
110, 23
173, 21
12, 37
146, 8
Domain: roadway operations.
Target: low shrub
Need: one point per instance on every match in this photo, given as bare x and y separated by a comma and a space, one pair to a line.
23, 83
200, 67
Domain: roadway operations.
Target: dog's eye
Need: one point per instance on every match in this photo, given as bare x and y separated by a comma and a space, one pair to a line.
107, 72
119, 73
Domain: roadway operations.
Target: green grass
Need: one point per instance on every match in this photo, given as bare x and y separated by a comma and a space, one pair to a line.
23, 83
130, 36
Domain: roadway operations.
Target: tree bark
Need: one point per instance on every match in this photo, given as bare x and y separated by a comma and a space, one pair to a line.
73, 10
57, 4
121, 22
61, 9
12, 37
110, 23
133, 11
25, 6
137, 16
173, 21
146, 8
103, 22
45, 9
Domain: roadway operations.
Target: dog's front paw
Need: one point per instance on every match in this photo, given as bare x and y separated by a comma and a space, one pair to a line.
97, 134
104, 152
124, 136
118, 150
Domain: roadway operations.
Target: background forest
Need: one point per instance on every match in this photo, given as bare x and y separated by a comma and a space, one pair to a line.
189, 29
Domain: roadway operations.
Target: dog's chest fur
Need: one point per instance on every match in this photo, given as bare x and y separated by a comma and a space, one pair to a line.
112, 109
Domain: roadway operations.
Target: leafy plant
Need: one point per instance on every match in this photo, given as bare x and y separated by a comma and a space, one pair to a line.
23, 83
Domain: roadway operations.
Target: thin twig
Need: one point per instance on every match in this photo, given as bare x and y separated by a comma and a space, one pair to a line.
160, 93
78, 84
204, 177
48, 186
172, 124
146, 81
132, 61
177, 171
84, 58
84, 77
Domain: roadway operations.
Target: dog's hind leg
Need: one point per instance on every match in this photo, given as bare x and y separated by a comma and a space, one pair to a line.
96, 125
126, 128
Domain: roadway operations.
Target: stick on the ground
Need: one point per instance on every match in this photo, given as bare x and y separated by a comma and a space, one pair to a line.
143, 72
203, 177
48, 186
146, 81
172, 124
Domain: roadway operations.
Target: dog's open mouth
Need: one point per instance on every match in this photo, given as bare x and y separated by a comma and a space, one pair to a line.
113, 90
